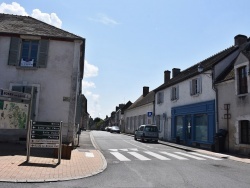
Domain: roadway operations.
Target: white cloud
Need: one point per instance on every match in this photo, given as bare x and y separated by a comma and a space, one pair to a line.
90, 70
51, 19
13, 8
104, 19
87, 84
17, 9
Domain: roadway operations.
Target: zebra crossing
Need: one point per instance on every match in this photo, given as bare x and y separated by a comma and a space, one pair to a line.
134, 153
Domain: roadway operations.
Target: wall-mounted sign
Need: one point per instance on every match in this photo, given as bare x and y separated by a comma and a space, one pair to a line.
15, 94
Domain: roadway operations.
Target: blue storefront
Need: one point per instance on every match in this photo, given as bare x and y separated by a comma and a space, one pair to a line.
194, 124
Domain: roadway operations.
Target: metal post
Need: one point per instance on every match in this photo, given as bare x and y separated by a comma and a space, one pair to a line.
28, 140
60, 145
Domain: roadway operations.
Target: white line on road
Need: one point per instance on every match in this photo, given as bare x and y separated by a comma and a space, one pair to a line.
120, 156
113, 149
173, 155
209, 157
156, 155
139, 156
191, 156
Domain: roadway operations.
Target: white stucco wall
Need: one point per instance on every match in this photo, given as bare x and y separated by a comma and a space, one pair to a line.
54, 82
184, 99
136, 112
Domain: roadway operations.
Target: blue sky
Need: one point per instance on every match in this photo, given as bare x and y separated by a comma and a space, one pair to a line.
130, 43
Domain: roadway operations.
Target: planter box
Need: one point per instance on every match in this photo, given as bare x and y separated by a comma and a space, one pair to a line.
66, 151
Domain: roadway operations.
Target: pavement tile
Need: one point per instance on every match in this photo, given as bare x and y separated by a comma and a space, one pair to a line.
14, 168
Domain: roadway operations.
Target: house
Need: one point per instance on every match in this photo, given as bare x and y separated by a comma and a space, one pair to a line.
47, 62
186, 104
234, 102
140, 112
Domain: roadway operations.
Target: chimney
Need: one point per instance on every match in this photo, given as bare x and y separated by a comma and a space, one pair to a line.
239, 40
145, 91
166, 76
175, 72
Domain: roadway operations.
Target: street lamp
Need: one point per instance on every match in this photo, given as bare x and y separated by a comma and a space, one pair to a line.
201, 69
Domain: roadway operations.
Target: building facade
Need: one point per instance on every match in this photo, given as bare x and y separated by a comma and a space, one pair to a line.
46, 62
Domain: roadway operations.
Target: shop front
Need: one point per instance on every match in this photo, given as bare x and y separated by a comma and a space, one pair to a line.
193, 124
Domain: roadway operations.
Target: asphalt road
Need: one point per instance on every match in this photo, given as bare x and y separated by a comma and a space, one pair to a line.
135, 164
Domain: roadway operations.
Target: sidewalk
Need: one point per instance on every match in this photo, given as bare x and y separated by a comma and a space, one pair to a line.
43, 167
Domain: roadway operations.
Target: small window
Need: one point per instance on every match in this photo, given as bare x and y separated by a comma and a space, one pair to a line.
195, 86
160, 97
242, 80
245, 132
174, 93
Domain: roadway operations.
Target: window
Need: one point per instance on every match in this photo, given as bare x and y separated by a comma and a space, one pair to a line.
158, 121
195, 86
28, 53
242, 80
179, 126
175, 93
160, 97
201, 127
245, 131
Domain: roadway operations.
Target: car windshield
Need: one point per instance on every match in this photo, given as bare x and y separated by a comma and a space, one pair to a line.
151, 129
115, 127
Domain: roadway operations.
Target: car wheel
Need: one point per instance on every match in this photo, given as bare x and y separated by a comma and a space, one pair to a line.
135, 138
156, 141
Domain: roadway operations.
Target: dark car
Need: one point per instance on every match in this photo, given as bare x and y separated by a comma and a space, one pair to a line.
115, 129
147, 133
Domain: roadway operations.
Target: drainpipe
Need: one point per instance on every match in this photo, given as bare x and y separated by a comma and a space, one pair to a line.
216, 102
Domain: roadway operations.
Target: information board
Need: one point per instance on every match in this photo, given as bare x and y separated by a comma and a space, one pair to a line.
45, 135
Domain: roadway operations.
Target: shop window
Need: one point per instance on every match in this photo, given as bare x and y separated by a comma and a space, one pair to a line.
201, 127
245, 131
179, 126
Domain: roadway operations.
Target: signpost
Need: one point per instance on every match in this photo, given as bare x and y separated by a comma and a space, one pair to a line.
15, 94
45, 135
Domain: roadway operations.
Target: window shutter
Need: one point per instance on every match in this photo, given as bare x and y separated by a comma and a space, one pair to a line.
199, 85
14, 51
191, 90
171, 94
177, 92
43, 53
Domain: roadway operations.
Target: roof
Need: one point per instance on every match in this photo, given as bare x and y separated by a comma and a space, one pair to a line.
228, 74
143, 100
26, 25
193, 71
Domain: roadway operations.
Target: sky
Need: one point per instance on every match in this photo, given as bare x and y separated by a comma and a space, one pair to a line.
130, 43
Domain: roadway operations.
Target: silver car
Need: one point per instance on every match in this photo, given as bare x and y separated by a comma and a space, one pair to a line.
147, 133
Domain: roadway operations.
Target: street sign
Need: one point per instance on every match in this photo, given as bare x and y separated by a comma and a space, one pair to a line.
44, 145
150, 114
15, 94
45, 135
46, 141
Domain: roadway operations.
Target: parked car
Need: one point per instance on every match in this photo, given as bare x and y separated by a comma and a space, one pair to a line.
147, 133
108, 128
115, 129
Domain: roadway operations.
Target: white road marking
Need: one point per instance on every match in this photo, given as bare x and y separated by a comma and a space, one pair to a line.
123, 149
89, 154
173, 155
156, 155
133, 149
191, 156
209, 157
139, 156
113, 149
120, 156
